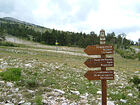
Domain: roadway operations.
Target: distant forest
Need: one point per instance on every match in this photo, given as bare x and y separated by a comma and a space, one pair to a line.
64, 38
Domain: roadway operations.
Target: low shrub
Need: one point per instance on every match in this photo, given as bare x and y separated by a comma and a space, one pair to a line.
136, 82
128, 54
11, 74
3, 43
31, 83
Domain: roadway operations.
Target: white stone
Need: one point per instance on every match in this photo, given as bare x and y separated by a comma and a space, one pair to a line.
21, 102
99, 98
17, 89
2, 103
75, 92
9, 84
84, 97
86, 94
45, 101
30, 91
64, 104
130, 94
55, 93
137, 72
110, 103
19, 95
10, 95
28, 65
28, 103
9, 104
59, 91
2, 82
121, 86
1, 59
73, 103
122, 100
99, 92
83, 101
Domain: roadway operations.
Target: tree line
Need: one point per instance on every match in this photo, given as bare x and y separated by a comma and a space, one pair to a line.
64, 38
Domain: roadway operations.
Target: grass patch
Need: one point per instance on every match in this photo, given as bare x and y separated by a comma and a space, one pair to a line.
38, 100
117, 96
50, 81
73, 97
11, 74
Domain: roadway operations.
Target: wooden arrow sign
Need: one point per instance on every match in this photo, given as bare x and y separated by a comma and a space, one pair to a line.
100, 75
99, 49
100, 62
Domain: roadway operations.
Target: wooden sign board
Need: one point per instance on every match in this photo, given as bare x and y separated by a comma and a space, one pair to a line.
99, 49
100, 62
100, 75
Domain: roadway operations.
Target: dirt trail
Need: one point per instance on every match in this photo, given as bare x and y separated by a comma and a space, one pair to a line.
40, 47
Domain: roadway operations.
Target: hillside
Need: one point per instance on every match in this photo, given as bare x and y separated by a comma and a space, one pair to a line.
48, 36
11, 20
55, 76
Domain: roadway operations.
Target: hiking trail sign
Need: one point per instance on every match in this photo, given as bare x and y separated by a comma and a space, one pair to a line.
102, 62
99, 49
100, 75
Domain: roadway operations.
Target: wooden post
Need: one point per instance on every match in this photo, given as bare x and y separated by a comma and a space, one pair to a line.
104, 86
103, 82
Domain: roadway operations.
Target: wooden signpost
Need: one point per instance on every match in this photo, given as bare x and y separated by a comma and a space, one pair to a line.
102, 62
100, 75
99, 49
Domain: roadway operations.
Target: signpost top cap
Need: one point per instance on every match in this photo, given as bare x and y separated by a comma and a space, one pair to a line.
102, 30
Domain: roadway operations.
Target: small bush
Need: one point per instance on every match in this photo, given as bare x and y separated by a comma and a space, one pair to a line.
3, 43
11, 74
31, 83
136, 81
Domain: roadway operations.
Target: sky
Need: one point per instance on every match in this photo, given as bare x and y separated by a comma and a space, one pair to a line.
119, 16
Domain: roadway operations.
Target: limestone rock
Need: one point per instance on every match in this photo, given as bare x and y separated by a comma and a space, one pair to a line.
75, 92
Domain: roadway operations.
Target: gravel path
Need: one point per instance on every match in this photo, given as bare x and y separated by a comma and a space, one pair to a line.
40, 47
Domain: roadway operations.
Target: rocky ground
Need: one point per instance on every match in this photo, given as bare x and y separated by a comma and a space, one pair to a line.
58, 78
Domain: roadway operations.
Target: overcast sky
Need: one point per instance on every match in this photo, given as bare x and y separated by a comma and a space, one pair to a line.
119, 16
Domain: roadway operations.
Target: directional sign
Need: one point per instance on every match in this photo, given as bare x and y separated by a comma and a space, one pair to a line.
99, 49
100, 75
100, 62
